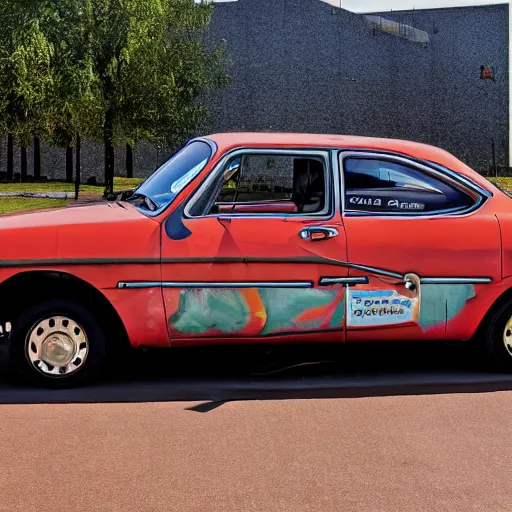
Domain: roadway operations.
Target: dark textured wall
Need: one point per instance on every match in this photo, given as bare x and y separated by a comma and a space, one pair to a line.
303, 66
300, 65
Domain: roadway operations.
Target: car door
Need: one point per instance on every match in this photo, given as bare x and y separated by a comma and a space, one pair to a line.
262, 258
426, 242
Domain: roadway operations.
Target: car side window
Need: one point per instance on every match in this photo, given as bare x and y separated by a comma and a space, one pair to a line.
265, 184
382, 186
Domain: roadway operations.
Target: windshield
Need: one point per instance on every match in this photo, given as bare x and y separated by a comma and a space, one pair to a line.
174, 175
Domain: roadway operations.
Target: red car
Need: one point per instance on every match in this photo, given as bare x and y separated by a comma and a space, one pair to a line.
258, 238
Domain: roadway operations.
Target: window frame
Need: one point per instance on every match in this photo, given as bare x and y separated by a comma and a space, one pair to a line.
446, 178
332, 184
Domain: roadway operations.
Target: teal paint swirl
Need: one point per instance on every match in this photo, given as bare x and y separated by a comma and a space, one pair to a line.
442, 302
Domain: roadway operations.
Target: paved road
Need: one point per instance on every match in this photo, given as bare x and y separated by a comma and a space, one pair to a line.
379, 428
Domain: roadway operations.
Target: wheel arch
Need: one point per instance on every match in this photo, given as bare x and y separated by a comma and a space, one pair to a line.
27, 288
505, 296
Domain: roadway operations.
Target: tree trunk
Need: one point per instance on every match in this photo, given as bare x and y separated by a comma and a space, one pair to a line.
108, 135
37, 158
23, 164
112, 168
109, 168
129, 161
69, 164
77, 166
106, 171
10, 157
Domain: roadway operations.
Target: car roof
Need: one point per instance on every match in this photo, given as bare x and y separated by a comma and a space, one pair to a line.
228, 141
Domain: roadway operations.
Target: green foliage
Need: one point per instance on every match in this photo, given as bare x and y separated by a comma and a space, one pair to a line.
45, 77
153, 63
115, 71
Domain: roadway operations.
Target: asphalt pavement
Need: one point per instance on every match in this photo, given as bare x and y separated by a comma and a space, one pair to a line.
380, 427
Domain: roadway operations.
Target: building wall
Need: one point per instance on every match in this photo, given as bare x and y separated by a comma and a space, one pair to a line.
304, 66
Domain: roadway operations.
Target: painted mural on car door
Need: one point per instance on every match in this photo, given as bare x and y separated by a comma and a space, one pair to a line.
247, 312
254, 311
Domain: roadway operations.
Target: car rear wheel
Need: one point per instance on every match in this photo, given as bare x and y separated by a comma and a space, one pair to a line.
498, 338
57, 343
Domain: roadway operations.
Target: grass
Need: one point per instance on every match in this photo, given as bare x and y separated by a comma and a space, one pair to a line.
125, 183
119, 184
505, 183
19, 204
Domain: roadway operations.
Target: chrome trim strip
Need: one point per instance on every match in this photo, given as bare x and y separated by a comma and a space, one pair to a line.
455, 280
337, 180
226, 284
349, 281
313, 151
405, 215
465, 180
142, 284
324, 281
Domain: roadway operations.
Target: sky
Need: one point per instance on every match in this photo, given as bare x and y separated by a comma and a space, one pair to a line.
362, 6
366, 6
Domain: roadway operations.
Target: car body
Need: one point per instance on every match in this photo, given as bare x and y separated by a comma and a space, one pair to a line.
324, 238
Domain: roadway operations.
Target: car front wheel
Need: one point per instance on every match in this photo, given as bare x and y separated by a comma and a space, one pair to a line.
57, 343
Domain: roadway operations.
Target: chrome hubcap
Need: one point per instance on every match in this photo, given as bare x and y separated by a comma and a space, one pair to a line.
57, 346
507, 336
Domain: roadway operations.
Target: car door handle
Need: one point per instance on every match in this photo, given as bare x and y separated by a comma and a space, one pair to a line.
317, 233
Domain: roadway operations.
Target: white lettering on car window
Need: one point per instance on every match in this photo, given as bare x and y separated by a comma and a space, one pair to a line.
391, 203
369, 201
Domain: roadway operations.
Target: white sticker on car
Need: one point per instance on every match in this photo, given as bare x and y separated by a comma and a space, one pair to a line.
367, 308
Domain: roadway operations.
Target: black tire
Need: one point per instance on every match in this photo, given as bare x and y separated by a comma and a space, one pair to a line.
494, 345
22, 367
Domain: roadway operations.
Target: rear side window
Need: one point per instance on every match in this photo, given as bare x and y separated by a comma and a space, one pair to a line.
381, 186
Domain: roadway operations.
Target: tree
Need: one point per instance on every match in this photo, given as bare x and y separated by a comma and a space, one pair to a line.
152, 64
74, 98
24, 79
45, 71
115, 71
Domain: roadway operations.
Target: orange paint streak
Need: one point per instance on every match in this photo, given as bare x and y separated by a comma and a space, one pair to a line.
326, 312
258, 314
313, 314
